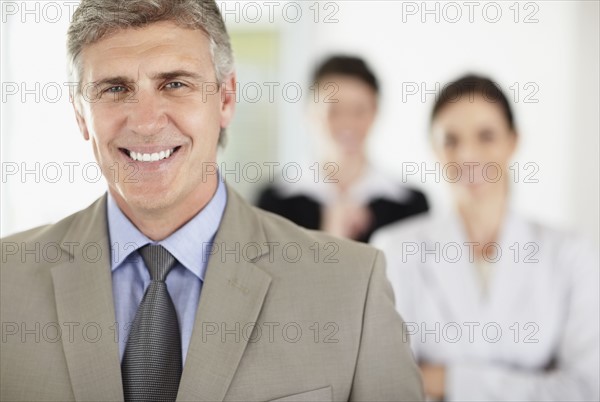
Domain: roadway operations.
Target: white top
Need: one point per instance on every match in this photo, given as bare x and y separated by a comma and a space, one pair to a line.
542, 306
372, 184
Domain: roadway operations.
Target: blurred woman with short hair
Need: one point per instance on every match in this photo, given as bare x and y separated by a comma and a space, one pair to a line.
352, 198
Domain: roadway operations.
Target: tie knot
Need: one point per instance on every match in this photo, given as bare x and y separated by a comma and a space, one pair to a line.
158, 261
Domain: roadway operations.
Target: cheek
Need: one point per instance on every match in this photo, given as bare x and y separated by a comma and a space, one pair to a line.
500, 153
366, 123
333, 126
332, 119
444, 155
202, 127
103, 156
105, 123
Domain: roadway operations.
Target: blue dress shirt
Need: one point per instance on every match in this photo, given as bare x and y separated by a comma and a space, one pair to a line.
190, 245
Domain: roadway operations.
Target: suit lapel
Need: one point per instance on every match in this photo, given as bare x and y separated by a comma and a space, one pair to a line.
83, 292
232, 296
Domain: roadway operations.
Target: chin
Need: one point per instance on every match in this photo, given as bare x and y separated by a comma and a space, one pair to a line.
477, 190
150, 203
351, 150
469, 191
148, 198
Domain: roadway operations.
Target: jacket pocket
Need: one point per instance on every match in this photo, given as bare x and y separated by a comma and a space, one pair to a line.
317, 395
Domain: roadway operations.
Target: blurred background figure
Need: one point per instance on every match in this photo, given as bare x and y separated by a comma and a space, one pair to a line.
347, 197
497, 307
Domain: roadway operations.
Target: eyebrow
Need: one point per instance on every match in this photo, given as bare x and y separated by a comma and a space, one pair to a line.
169, 75
118, 80
177, 74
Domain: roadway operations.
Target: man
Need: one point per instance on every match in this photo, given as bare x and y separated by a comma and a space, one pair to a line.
171, 287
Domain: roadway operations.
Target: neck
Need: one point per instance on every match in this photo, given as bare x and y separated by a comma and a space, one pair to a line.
483, 215
349, 169
159, 223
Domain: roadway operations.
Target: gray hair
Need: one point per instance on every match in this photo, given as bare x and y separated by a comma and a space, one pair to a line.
94, 19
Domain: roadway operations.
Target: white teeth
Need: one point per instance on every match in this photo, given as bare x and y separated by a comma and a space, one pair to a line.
156, 156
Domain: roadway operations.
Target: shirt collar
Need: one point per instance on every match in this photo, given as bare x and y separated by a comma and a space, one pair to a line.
190, 244
370, 185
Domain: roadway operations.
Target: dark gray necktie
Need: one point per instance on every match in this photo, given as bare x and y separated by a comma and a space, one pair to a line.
151, 366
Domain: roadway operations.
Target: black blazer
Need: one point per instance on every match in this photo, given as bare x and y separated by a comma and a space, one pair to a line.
306, 211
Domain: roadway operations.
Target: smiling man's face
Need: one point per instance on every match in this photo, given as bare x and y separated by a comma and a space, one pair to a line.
153, 113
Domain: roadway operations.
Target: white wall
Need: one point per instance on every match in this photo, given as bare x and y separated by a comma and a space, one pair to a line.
559, 54
39, 126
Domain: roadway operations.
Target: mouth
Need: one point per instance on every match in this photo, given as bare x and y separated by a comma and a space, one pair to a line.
155, 156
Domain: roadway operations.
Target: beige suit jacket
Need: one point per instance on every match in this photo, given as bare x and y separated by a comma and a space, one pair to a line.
285, 314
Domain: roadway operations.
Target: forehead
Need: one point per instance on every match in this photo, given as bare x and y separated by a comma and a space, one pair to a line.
346, 88
468, 111
346, 81
162, 45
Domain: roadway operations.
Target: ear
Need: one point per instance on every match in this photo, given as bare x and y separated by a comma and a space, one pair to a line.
228, 99
79, 117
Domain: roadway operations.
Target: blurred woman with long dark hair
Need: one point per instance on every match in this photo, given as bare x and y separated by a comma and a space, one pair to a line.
497, 307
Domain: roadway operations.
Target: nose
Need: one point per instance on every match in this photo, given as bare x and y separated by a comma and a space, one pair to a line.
147, 114
468, 153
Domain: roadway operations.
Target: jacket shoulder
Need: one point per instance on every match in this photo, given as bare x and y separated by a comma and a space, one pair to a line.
51, 235
348, 253
49, 232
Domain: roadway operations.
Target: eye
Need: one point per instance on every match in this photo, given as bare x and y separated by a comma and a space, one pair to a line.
450, 141
175, 85
116, 89
334, 110
360, 110
486, 135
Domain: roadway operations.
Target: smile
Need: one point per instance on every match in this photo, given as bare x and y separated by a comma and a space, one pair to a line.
150, 157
